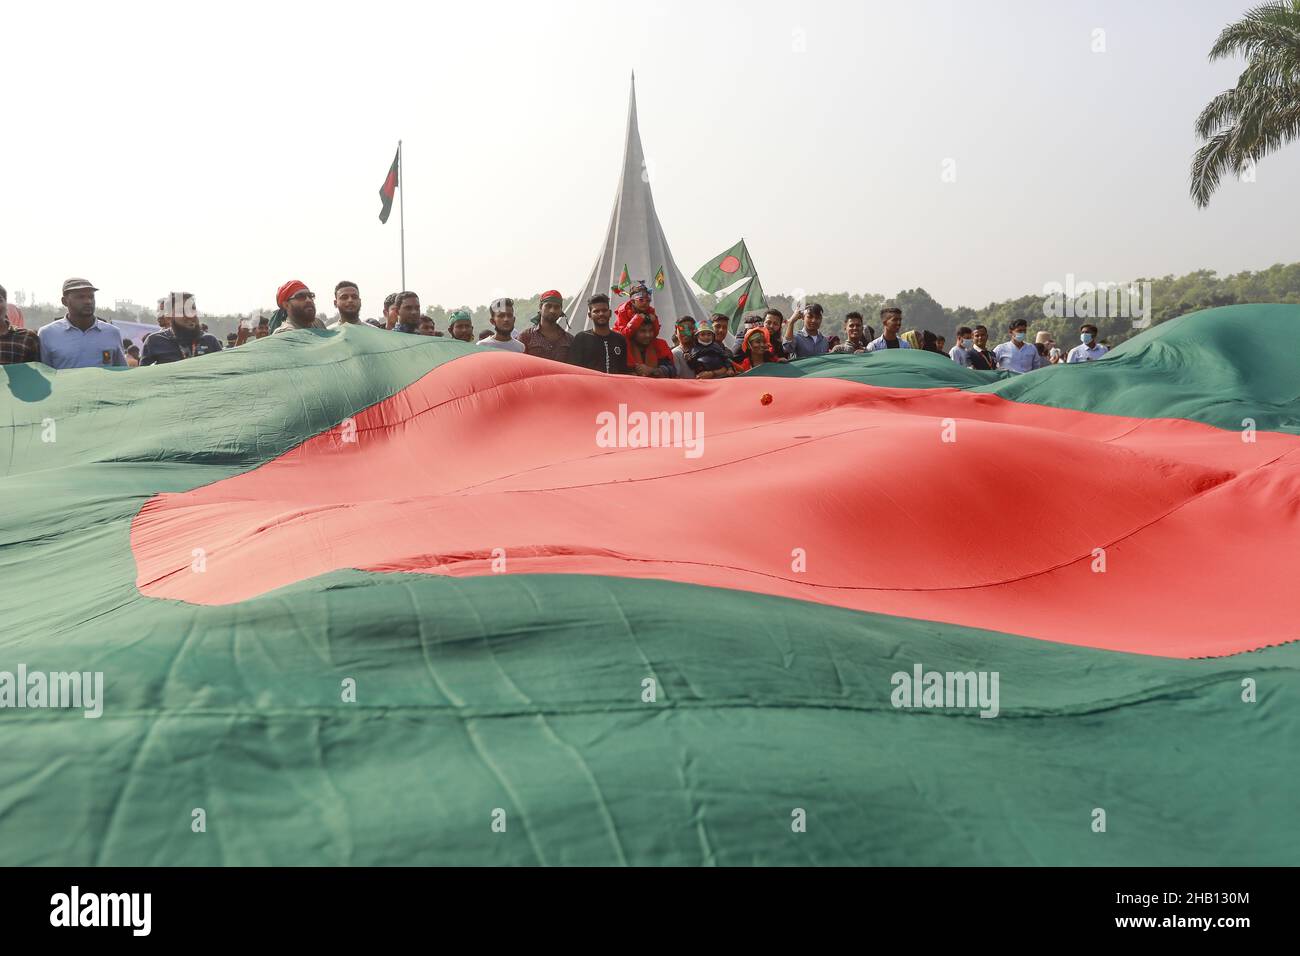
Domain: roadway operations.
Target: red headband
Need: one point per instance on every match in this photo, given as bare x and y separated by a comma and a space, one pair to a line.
288, 290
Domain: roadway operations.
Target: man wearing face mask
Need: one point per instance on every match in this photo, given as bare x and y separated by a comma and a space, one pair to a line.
1016, 355
960, 353
1090, 350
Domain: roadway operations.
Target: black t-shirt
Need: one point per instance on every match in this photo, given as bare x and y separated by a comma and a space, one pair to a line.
892, 344
600, 353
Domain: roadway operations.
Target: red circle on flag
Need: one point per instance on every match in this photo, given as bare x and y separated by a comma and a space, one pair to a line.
729, 265
743, 299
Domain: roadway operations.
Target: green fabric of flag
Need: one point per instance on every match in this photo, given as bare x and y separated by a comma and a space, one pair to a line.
725, 269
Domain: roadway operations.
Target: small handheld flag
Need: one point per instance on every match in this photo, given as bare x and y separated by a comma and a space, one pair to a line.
624, 280
659, 278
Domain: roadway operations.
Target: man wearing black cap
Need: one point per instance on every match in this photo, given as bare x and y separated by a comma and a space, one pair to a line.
184, 338
79, 339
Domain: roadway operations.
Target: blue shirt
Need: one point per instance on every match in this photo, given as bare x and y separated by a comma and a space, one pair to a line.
63, 345
1019, 357
879, 345
804, 345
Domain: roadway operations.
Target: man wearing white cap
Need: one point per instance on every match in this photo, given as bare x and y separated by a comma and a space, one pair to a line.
501, 313
79, 339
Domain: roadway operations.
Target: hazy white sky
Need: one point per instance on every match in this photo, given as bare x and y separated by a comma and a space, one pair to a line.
225, 148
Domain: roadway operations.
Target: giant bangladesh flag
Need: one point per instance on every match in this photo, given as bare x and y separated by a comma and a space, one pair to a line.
931, 616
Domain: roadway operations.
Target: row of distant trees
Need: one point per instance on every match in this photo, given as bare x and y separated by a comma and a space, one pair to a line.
1171, 296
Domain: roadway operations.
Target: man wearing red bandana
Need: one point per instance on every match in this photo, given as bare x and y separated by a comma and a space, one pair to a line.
546, 339
299, 305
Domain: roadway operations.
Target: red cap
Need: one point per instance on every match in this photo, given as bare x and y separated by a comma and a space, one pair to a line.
551, 294
287, 290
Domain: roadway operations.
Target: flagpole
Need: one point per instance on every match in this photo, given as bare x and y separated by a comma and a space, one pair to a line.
401, 186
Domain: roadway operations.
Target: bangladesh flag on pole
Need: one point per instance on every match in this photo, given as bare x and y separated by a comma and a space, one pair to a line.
659, 278
389, 189
746, 297
724, 269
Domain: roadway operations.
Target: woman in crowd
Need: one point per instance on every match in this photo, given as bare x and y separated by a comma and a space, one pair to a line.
756, 349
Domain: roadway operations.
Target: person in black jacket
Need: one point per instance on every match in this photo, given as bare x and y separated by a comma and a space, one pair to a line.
599, 348
181, 338
981, 359
707, 358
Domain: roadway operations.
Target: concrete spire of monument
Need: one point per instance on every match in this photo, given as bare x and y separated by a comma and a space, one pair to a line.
636, 239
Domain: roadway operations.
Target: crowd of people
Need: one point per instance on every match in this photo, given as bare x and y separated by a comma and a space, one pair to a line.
620, 341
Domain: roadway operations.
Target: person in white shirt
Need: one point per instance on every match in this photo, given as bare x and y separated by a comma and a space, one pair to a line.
347, 300
1016, 355
959, 353
685, 339
501, 313
1089, 350
891, 319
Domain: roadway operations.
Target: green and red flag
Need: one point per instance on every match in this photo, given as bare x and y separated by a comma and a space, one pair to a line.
388, 190
263, 621
659, 278
745, 298
725, 269
624, 280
